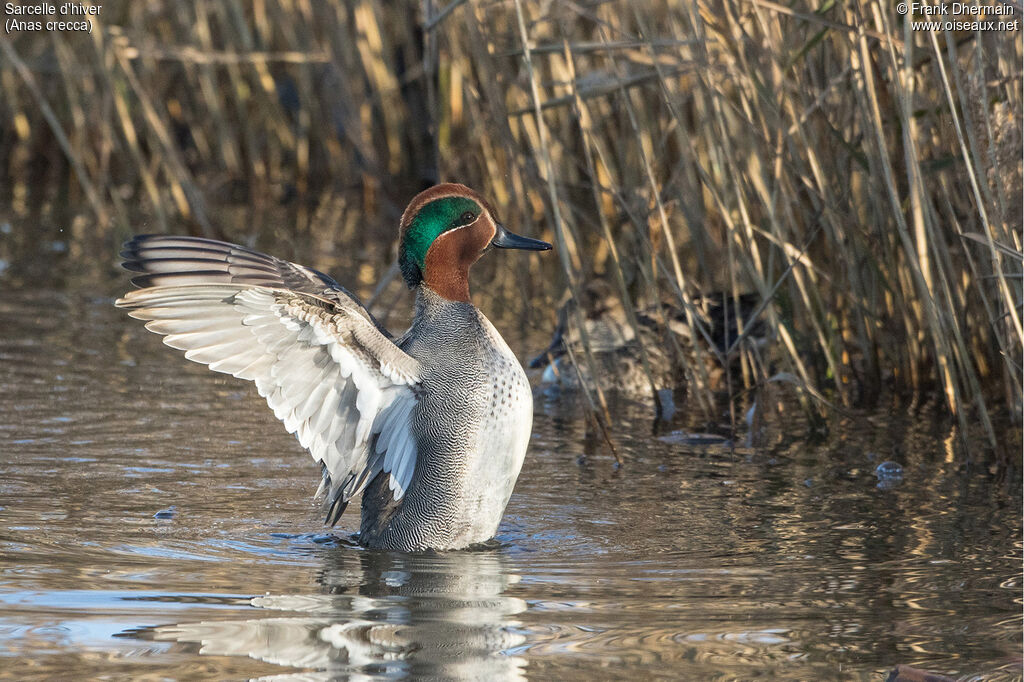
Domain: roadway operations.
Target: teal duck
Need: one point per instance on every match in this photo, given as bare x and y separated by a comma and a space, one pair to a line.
430, 427
662, 331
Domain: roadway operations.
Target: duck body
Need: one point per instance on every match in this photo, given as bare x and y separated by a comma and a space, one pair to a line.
620, 369
472, 424
430, 428
663, 336
618, 348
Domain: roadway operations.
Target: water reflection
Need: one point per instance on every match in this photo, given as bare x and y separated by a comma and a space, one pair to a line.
427, 616
145, 500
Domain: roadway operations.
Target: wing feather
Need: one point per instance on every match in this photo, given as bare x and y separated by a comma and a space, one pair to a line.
327, 370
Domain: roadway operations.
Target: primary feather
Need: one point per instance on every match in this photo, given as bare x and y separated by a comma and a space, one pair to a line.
326, 368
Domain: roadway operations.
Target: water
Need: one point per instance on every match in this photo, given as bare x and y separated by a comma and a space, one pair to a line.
155, 520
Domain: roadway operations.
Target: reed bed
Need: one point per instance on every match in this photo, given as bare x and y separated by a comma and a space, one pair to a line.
862, 178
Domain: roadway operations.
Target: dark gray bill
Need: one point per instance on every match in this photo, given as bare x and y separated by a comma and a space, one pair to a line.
510, 240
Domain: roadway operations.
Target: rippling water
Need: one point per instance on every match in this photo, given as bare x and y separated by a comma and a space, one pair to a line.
155, 520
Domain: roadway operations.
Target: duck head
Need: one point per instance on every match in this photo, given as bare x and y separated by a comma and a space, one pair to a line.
446, 229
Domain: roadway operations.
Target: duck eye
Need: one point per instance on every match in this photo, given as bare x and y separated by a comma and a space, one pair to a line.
466, 218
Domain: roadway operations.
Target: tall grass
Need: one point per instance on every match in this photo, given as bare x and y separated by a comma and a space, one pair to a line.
864, 179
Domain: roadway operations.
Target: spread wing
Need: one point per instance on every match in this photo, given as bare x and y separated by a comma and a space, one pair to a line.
329, 372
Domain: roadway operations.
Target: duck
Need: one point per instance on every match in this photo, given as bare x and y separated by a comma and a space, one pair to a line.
430, 428
619, 348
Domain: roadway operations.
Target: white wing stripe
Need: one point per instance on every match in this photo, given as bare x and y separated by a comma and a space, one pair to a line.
237, 362
199, 324
206, 339
211, 354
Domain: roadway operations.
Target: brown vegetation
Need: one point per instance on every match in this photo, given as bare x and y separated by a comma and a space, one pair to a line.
864, 179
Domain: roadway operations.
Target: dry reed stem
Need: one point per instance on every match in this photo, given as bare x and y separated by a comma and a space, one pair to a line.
58, 132
677, 149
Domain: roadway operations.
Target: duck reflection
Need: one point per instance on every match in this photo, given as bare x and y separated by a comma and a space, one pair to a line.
440, 616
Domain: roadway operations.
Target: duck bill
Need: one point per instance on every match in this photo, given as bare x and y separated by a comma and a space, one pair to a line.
503, 239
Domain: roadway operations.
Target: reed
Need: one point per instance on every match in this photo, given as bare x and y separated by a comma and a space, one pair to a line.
862, 178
